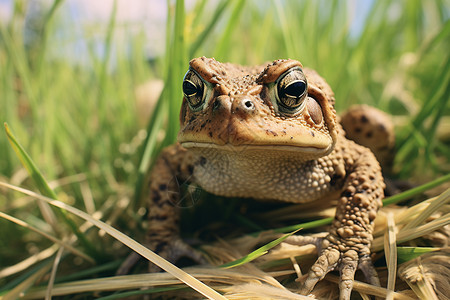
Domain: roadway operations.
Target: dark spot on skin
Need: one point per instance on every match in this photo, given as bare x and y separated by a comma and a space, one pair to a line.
357, 222
381, 127
152, 233
202, 161
156, 196
369, 134
210, 134
312, 133
358, 129
271, 132
334, 179
346, 194
167, 201
163, 187
160, 218
203, 125
183, 113
190, 169
362, 225
292, 137
364, 119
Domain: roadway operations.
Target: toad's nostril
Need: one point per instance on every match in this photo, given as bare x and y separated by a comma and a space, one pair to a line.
248, 104
243, 105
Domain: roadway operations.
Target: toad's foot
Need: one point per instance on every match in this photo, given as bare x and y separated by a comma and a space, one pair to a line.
172, 251
334, 253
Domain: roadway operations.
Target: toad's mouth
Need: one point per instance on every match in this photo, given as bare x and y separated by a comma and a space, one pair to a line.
237, 136
255, 147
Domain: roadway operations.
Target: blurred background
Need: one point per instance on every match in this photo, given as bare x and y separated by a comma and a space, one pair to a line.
80, 82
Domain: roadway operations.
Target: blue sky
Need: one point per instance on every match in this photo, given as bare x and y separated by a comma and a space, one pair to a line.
149, 15
134, 15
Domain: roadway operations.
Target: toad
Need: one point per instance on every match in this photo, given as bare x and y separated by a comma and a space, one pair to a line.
270, 133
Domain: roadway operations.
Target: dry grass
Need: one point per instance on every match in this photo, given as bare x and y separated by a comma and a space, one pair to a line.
273, 275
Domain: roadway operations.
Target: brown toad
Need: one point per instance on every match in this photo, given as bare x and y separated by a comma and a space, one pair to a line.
269, 132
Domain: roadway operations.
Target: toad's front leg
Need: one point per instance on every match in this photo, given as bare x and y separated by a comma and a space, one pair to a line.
173, 167
347, 246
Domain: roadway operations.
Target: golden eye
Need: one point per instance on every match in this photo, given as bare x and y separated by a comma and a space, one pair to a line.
193, 89
292, 90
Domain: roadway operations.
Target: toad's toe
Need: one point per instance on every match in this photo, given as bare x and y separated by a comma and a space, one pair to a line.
326, 262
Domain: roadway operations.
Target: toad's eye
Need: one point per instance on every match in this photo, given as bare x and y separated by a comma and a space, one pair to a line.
193, 89
291, 90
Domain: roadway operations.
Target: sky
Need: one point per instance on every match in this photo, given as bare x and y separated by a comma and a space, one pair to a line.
5, 8
138, 14
134, 14
99, 10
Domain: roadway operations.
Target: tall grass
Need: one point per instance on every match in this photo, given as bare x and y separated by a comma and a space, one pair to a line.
78, 116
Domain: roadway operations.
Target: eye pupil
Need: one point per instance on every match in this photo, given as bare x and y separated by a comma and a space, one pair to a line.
189, 89
295, 89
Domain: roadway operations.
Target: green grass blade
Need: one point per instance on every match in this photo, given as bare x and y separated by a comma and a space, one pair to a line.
285, 29
19, 289
439, 98
178, 61
45, 189
307, 225
415, 191
199, 10
24, 276
29, 165
44, 33
94, 271
107, 55
441, 35
258, 252
233, 22
405, 254
61, 243
167, 107
150, 149
209, 27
